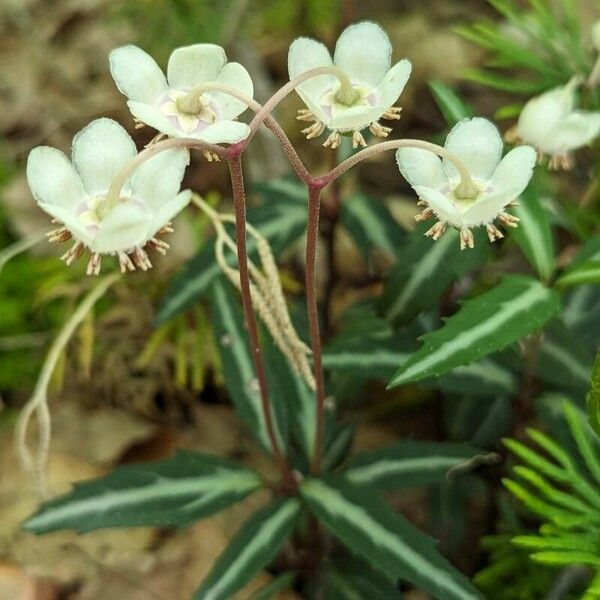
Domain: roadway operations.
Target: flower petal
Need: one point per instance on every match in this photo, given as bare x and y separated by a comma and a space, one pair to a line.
390, 88
52, 178
364, 52
191, 65
152, 116
421, 167
136, 74
477, 143
577, 130
124, 227
304, 55
356, 117
100, 151
158, 180
515, 170
169, 211
224, 132
69, 220
486, 209
441, 205
236, 76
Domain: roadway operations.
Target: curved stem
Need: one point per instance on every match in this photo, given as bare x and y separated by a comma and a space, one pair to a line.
466, 186
312, 236
239, 200
114, 192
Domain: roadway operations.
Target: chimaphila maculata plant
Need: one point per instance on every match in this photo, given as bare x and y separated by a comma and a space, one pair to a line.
111, 201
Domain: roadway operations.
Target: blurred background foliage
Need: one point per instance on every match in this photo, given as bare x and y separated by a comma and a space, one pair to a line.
146, 371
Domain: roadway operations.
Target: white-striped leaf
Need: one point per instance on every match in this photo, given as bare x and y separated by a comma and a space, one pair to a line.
367, 526
534, 234
175, 491
238, 368
281, 222
407, 463
516, 307
425, 270
586, 272
252, 548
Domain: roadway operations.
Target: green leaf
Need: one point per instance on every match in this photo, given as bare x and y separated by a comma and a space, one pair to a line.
279, 584
593, 399
371, 225
282, 222
174, 491
252, 548
407, 463
534, 235
514, 308
238, 368
386, 540
587, 272
423, 271
449, 102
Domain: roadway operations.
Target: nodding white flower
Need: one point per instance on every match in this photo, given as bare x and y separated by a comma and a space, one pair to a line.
74, 194
551, 124
363, 52
170, 105
478, 145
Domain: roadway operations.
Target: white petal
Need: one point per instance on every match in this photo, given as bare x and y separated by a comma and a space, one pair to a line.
477, 143
224, 132
356, 117
515, 170
152, 116
69, 220
304, 55
389, 90
169, 211
125, 226
192, 65
364, 52
539, 118
158, 180
486, 209
100, 151
236, 76
52, 178
441, 205
577, 130
420, 167
136, 74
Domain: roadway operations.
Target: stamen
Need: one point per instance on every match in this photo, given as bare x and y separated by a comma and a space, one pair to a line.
306, 115
392, 113
508, 220
564, 162
437, 231
94, 264
358, 139
422, 203
379, 130
466, 239
210, 156
333, 141
493, 232
157, 138
424, 215
138, 124
314, 130
168, 228
62, 234
140, 259
125, 262
512, 137
159, 245
71, 255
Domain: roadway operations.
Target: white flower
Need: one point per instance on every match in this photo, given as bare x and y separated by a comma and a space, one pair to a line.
551, 124
158, 101
363, 52
74, 193
478, 145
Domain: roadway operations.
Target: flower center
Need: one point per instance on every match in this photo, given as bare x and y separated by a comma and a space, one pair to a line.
190, 110
339, 98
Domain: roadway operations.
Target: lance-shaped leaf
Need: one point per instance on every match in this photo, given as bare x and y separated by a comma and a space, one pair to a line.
251, 549
516, 307
387, 541
371, 225
281, 222
534, 235
238, 368
407, 463
593, 399
450, 104
423, 272
586, 272
174, 491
